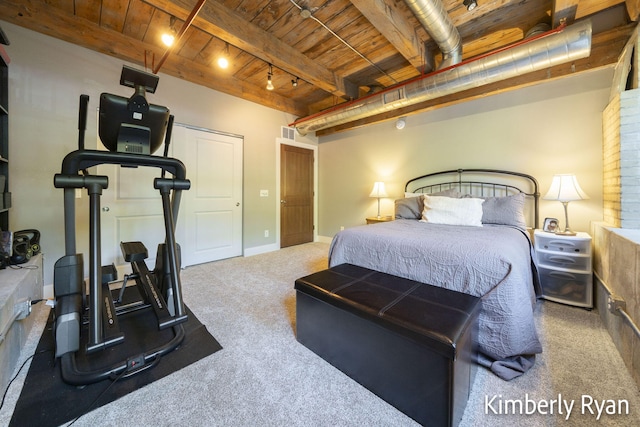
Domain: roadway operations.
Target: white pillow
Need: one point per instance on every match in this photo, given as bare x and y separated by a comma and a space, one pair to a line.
451, 211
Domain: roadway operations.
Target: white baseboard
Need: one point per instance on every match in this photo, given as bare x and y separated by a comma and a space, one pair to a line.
257, 250
325, 239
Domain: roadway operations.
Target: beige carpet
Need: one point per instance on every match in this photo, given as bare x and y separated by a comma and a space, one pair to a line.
263, 376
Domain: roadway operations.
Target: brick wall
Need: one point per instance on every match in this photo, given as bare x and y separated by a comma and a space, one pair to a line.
621, 160
611, 162
630, 159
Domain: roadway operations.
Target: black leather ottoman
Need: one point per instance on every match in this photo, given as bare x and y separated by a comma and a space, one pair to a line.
411, 344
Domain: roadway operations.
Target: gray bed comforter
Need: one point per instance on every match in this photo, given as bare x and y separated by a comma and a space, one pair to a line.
491, 262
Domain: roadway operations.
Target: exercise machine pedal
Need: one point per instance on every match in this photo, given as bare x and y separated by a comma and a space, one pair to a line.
109, 273
134, 251
154, 297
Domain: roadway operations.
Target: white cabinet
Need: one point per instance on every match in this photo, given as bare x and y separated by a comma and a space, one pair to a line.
564, 265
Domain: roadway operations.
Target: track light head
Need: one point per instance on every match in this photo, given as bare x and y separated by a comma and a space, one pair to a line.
223, 60
269, 76
470, 4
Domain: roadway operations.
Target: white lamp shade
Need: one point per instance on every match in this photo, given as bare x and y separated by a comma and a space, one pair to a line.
565, 188
378, 190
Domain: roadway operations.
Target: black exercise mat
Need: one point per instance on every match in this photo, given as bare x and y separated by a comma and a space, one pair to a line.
46, 400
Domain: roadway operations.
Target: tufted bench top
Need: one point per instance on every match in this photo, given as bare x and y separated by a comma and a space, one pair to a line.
427, 314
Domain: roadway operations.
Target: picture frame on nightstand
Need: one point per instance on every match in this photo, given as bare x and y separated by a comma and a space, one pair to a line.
550, 225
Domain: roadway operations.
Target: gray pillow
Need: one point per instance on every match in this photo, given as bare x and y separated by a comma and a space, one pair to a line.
412, 207
507, 210
409, 208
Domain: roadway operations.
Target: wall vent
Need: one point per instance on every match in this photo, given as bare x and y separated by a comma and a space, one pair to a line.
288, 133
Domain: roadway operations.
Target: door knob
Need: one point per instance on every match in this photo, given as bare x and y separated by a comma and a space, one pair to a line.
283, 201
105, 209
238, 204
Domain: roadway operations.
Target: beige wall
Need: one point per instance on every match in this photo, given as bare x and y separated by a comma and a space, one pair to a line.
46, 78
550, 128
546, 129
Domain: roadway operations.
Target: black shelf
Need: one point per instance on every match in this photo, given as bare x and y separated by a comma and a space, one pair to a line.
4, 136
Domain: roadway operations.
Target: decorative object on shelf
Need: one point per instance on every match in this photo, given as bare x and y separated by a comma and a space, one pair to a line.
550, 225
565, 188
378, 192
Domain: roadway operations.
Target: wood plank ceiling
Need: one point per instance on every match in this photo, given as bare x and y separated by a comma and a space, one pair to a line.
336, 50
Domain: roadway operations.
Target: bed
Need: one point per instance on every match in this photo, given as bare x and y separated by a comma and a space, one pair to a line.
466, 230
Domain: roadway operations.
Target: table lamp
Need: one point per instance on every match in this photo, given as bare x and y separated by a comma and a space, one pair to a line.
565, 188
378, 192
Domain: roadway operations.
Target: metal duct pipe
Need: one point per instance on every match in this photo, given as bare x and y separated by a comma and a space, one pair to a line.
538, 53
435, 19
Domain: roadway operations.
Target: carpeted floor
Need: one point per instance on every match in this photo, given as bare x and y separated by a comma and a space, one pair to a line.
263, 376
59, 403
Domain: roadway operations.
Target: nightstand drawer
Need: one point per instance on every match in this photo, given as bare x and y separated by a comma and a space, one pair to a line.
568, 287
573, 246
567, 260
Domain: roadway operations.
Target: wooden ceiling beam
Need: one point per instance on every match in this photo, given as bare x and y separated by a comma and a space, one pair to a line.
633, 8
38, 16
605, 50
386, 17
563, 12
227, 25
570, 10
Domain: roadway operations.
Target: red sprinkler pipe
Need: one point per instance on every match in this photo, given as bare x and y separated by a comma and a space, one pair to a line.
185, 26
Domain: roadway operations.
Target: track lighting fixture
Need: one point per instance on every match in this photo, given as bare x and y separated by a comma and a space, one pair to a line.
294, 82
470, 4
269, 75
223, 60
169, 37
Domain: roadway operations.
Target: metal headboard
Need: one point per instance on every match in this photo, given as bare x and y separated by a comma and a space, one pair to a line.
478, 186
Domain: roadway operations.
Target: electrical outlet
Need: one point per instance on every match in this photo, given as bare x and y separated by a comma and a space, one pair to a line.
342, 228
264, 193
78, 193
615, 303
266, 233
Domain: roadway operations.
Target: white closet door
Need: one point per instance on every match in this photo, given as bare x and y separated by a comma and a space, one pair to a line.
210, 226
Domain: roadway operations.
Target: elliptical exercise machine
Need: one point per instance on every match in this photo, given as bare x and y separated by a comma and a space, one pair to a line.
86, 320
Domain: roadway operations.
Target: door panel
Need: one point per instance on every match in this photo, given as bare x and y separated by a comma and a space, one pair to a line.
213, 217
296, 195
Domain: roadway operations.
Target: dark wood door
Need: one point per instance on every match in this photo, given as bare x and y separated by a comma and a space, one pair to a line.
296, 195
